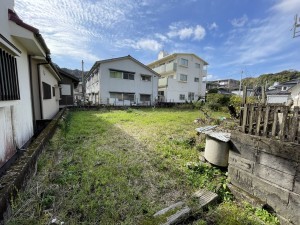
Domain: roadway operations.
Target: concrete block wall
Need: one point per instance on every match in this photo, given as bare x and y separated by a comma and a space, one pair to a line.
269, 170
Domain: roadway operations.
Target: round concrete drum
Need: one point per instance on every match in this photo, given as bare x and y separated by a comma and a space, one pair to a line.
216, 151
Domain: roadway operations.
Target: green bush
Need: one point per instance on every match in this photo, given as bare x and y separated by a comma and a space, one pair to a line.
218, 98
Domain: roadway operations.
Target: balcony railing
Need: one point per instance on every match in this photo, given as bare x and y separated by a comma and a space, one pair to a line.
166, 68
163, 82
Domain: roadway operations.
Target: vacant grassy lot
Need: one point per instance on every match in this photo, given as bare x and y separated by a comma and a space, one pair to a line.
120, 167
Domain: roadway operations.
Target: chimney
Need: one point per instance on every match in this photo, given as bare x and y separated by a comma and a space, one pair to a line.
162, 54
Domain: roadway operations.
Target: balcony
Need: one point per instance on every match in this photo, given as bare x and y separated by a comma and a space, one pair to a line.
163, 82
166, 68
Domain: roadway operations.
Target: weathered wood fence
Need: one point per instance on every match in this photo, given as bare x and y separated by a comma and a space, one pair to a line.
274, 120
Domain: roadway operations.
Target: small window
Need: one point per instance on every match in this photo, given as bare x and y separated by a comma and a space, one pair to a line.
197, 65
191, 96
184, 62
181, 97
46, 91
183, 77
196, 79
53, 91
145, 98
116, 74
145, 77
9, 83
128, 76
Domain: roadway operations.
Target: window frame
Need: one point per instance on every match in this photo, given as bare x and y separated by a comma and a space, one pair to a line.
46, 91
9, 80
183, 75
191, 96
146, 78
197, 79
181, 95
184, 62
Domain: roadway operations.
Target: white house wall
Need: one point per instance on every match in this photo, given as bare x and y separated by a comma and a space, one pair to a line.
16, 126
50, 106
137, 86
175, 87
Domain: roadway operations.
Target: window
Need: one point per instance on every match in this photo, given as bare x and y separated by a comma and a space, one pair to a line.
46, 91
65, 89
116, 74
145, 77
53, 91
9, 83
191, 96
128, 76
145, 98
122, 96
196, 79
184, 62
122, 75
181, 97
116, 95
183, 77
197, 65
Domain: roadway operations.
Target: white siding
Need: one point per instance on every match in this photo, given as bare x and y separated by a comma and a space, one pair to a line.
50, 106
137, 86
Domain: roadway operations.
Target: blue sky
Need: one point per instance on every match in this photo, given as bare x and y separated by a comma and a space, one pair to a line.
253, 36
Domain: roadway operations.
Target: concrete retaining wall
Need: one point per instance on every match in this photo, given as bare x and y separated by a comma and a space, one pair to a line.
269, 170
25, 166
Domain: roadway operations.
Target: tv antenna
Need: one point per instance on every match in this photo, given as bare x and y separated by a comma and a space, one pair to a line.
296, 28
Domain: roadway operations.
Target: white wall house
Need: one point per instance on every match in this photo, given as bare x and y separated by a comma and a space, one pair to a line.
24, 66
121, 81
281, 93
182, 77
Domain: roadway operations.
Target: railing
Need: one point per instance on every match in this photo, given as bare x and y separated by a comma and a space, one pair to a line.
272, 120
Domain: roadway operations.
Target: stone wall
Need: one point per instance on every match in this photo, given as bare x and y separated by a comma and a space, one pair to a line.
267, 169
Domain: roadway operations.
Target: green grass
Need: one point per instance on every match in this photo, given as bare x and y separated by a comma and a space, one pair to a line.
117, 167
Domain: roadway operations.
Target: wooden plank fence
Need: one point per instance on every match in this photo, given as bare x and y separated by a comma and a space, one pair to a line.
275, 120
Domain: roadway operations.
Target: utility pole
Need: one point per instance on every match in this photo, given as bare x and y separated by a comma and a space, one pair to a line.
240, 89
296, 27
82, 80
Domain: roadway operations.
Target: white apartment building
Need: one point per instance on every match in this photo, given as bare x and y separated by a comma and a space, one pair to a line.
182, 77
121, 81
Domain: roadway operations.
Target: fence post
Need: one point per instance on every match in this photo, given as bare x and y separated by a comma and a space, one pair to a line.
259, 109
266, 121
295, 129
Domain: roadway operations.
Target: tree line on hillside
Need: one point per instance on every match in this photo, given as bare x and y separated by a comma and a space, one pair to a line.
270, 78
77, 73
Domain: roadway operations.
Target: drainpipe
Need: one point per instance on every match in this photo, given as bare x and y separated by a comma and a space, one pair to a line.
31, 92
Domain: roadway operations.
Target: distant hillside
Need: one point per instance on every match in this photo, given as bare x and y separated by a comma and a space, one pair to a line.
269, 79
77, 73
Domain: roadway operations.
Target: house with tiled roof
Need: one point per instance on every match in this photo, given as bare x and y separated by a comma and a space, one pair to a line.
281, 92
121, 81
29, 91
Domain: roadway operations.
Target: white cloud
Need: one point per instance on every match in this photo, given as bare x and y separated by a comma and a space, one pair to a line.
287, 6
161, 37
148, 44
213, 26
208, 48
266, 40
145, 44
71, 27
197, 32
239, 22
